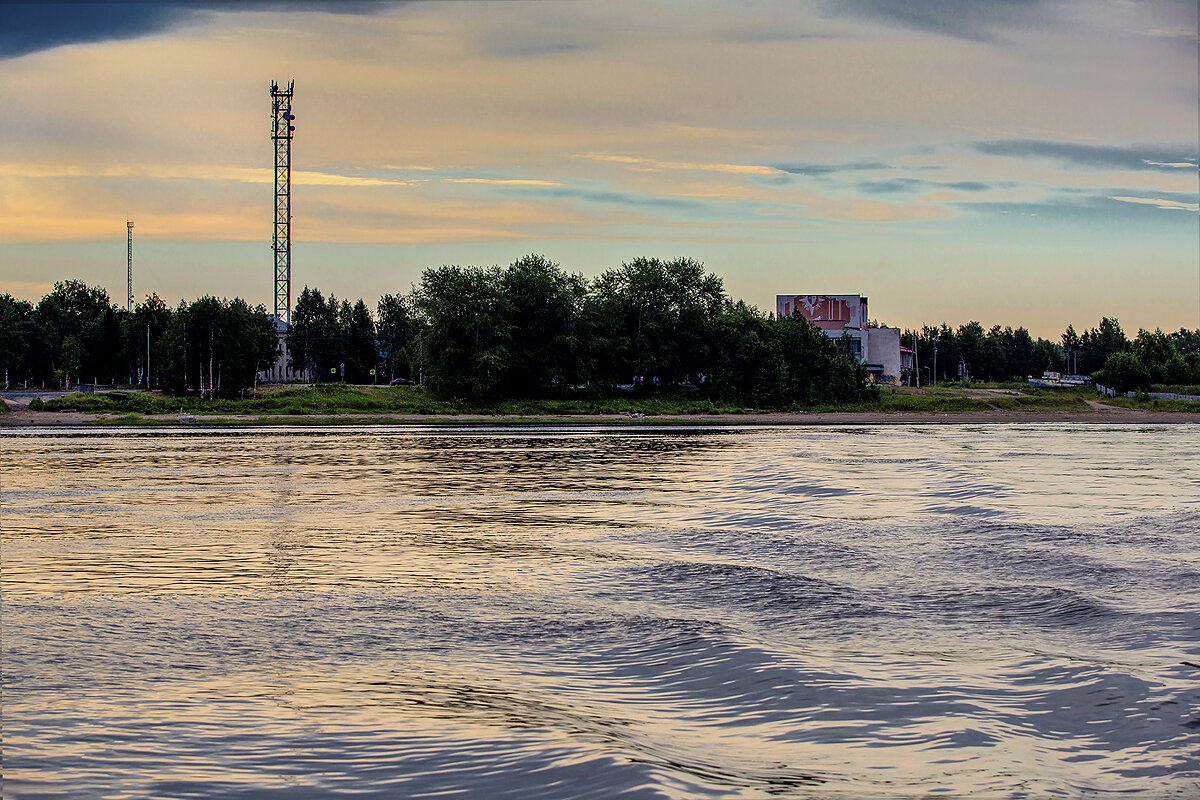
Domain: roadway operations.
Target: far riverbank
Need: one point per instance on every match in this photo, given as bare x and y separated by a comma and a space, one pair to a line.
325, 405
1101, 416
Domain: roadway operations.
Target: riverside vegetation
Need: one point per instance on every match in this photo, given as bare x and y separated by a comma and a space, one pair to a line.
339, 399
651, 337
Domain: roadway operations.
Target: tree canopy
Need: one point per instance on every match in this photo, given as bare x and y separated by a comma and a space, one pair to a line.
534, 329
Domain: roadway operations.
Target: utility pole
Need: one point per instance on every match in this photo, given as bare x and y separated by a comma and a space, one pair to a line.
129, 265
917, 359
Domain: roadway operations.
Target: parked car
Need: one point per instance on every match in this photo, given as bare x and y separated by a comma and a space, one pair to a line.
401, 382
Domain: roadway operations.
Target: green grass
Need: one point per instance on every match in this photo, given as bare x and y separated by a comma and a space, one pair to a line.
336, 399
308, 400
138, 402
321, 401
1167, 388
944, 401
649, 406
1150, 404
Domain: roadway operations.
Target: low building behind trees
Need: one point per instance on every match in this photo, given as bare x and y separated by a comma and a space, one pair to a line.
844, 317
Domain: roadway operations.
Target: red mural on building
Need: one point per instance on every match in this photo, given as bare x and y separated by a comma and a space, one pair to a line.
821, 308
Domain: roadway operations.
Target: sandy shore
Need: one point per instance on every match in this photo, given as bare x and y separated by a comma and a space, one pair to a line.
1098, 414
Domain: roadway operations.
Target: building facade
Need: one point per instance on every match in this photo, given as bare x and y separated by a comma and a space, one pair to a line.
281, 371
845, 315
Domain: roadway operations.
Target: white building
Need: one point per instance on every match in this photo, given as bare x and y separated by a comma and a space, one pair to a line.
281, 371
846, 315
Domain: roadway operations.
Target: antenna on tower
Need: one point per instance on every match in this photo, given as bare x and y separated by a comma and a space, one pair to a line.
281, 134
129, 265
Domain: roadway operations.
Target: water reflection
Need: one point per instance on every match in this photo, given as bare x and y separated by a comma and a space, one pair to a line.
819, 613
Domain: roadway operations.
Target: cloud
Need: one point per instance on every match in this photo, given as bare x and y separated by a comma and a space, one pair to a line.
811, 170
194, 172
1129, 211
1167, 205
1167, 19
1180, 32
1173, 165
915, 185
891, 186
977, 20
616, 198
652, 165
30, 27
1091, 156
505, 181
966, 186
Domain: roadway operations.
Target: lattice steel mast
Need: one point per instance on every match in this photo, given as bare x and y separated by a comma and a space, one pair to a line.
129, 265
281, 134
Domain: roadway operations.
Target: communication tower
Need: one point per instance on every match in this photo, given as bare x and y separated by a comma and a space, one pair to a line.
281, 134
129, 265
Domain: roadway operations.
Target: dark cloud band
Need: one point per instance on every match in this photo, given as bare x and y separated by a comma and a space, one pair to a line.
1092, 156
978, 20
30, 27
828, 169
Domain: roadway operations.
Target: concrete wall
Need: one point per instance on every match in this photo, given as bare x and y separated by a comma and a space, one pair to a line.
883, 347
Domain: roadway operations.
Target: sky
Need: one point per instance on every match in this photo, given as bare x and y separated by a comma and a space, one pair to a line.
1015, 162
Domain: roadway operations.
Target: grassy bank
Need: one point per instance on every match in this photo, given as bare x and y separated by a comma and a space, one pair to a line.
1151, 404
324, 400
338, 399
320, 399
957, 401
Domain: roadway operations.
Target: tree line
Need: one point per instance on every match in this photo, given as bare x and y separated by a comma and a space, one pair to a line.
533, 329
74, 335
1002, 354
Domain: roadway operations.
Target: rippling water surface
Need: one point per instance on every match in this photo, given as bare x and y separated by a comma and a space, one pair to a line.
856, 612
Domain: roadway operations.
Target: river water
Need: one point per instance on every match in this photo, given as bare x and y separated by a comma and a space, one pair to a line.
848, 612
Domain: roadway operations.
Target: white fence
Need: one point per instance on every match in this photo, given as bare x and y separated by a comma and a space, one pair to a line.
1104, 390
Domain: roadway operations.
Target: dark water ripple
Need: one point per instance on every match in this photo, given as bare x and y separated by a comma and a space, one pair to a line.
983, 612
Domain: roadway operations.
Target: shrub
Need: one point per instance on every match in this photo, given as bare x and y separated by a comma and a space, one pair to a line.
1123, 372
1177, 371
